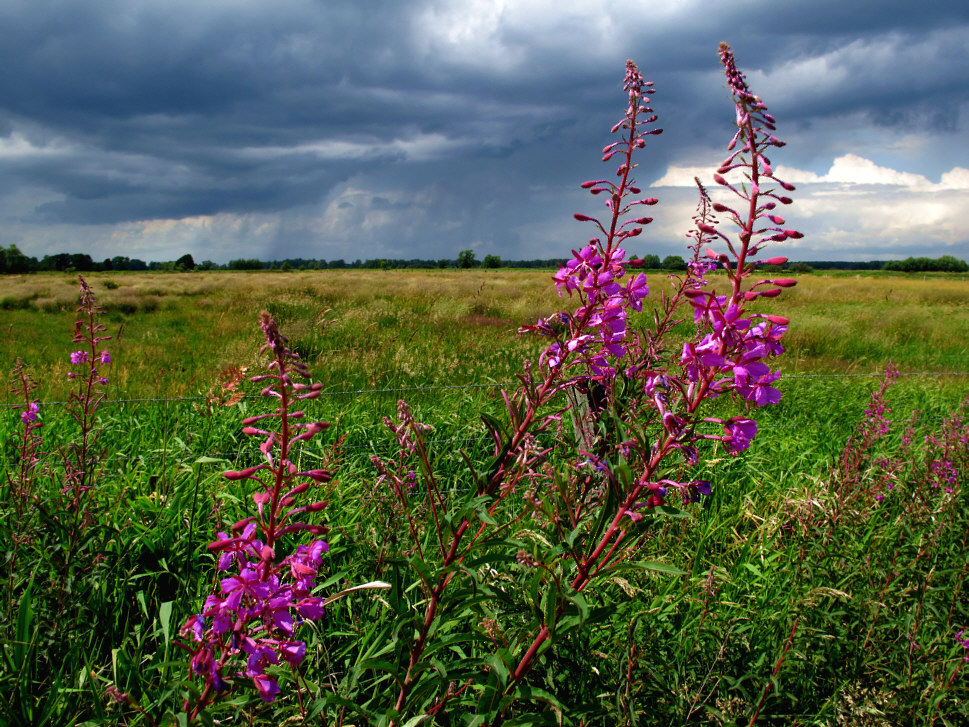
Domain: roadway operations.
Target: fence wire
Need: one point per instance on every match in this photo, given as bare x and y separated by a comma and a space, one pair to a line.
444, 387
172, 454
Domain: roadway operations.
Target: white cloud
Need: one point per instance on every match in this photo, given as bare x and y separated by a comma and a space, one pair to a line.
18, 146
848, 169
857, 209
505, 35
419, 147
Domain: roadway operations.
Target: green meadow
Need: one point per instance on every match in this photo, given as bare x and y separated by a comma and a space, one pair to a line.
790, 596
383, 329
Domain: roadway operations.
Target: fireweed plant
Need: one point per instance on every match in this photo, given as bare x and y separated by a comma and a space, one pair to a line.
82, 458
21, 482
250, 624
569, 512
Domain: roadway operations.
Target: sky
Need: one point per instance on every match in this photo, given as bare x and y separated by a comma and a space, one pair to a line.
361, 129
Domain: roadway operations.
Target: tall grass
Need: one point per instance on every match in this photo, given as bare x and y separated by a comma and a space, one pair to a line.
357, 330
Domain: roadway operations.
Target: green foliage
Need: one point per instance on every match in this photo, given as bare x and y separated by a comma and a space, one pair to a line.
246, 264
945, 264
466, 259
13, 261
695, 630
185, 262
491, 261
673, 262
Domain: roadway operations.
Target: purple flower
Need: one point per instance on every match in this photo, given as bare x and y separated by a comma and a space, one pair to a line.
195, 626
31, 414
293, 652
80, 357
964, 643
256, 610
738, 434
105, 357
692, 491
268, 688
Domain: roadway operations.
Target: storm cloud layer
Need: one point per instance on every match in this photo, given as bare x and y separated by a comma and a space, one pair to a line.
241, 128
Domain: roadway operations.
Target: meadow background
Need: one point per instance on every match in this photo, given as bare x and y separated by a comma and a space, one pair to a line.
875, 592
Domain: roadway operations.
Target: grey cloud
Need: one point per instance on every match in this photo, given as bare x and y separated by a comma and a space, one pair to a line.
165, 110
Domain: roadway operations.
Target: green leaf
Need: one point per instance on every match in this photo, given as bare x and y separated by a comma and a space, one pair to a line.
655, 565
165, 617
419, 720
670, 511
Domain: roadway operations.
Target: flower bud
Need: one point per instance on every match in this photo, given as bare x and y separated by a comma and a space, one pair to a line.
243, 474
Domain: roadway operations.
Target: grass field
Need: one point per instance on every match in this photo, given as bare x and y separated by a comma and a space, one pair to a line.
789, 596
383, 329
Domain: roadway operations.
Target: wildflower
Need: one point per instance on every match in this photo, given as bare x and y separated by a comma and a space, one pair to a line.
259, 606
116, 695
79, 357
964, 643
30, 415
738, 434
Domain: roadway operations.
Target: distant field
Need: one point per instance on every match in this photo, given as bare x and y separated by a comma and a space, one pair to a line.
382, 329
777, 565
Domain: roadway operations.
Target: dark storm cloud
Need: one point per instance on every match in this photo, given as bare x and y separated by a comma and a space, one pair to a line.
443, 124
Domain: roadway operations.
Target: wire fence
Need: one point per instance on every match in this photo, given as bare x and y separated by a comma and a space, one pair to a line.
444, 387
182, 454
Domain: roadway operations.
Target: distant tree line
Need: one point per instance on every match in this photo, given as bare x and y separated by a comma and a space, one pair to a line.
945, 264
13, 261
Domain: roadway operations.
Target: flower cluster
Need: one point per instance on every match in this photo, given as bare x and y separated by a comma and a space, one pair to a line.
732, 355
255, 614
22, 478
87, 331
963, 641
82, 458
597, 329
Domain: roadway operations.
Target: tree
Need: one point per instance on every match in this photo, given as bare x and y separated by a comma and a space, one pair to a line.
245, 264
800, 268
651, 262
492, 261
15, 261
466, 259
673, 262
185, 262
82, 262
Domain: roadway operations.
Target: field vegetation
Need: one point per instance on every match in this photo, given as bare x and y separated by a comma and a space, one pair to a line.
384, 329
698, 640
642, 526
